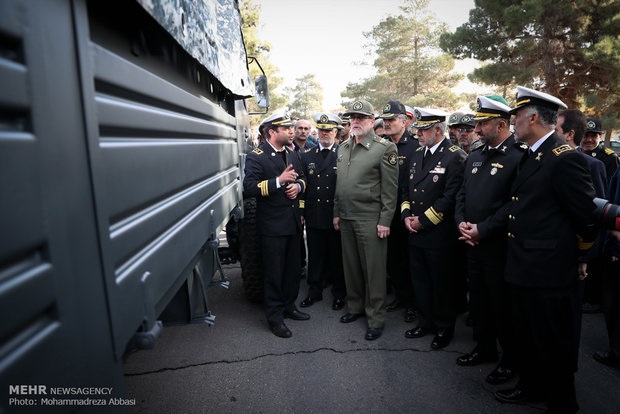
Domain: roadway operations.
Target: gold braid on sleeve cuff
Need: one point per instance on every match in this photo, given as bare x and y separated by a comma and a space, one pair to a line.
405, 206
434, 216
264, 188
581, 245
303, 185
302, 203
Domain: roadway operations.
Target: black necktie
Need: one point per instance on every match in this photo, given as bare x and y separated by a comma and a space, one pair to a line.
283, 155
427, 155
324, 152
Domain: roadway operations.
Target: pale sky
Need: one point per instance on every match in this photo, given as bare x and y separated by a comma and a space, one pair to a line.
325, 37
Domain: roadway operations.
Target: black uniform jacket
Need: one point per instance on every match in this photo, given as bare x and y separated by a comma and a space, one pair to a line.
489, 173
430, 193
406, 146
277, 214
321, 178
549, 217
608, 157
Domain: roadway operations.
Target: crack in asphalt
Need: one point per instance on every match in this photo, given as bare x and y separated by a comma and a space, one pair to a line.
257, 357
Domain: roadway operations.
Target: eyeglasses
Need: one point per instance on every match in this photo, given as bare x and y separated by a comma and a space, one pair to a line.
359, 117
464, 129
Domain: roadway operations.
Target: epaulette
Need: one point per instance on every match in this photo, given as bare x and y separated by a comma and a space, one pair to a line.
420, 148
258, 151
381, 140
454, 148
609, 151
477, 148
562, 148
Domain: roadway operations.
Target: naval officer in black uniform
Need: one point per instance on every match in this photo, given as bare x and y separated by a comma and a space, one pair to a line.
435, 177
324, 249
489, 172
274, 175
549, 228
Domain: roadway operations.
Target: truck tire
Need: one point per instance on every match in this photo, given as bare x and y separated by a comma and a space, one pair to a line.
251, 253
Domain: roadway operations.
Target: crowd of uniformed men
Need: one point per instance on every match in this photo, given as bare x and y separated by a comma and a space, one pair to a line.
501, 210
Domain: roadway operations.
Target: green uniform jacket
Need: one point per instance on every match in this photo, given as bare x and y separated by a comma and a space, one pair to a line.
367, 183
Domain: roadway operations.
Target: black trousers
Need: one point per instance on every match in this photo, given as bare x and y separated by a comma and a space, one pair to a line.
432, 279
489, 299
281, 265
611, 304
545, 322
398, 263
325, 263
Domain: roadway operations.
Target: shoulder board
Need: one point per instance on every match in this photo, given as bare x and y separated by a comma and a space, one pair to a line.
420, 148
454, 148
258, 151
477, 148
561, 149
309, 149
381, 140
609, 151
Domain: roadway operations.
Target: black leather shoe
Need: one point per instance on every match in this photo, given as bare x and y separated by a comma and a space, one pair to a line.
350, 317
373, 333
281, 330
309, 301
500, 375
393, 306
516, 395
607, 359
296, 315
418, 332
442, 339
338, 303
410, 315
475, 358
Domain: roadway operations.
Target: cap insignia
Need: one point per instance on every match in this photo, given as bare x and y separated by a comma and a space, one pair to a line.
386, 108
591, 125
357, 105
418, 115
323, 119
478, 105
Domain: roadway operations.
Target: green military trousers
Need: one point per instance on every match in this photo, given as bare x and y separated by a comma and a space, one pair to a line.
364, 260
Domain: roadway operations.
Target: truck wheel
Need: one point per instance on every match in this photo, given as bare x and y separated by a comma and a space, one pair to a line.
251, 253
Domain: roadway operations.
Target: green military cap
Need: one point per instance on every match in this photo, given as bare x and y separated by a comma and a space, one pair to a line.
527, 96
491, 107
594, 125
362, 108
466, 119
325, 120
454, 118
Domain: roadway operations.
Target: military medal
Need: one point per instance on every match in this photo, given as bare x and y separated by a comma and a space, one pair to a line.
435, 178
493, 170
475, 170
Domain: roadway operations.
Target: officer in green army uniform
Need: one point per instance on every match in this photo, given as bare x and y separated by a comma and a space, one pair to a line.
364, 203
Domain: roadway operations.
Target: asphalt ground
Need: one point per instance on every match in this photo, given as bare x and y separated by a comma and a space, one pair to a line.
238, 366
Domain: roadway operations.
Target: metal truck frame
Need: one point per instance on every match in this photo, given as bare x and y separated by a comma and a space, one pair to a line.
121, 154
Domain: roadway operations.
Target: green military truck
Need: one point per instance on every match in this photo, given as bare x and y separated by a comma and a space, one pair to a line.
123, 132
